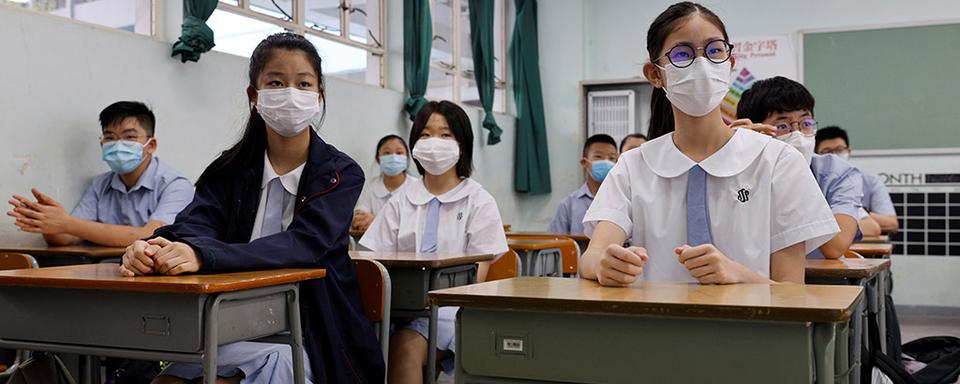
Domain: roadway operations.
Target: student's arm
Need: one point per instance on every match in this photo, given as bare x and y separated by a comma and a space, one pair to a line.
883, 211
839, 244
869, 226
111, 235
887, 223
607, 262
787, 265
61, 239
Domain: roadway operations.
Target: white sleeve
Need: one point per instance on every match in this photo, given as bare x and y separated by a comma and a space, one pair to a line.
365, 203
382, 234
612, 202
798, 210
485, 229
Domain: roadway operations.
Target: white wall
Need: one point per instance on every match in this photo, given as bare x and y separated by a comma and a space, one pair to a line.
615, 47
58, 74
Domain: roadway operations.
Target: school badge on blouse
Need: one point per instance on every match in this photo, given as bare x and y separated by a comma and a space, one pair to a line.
743, 195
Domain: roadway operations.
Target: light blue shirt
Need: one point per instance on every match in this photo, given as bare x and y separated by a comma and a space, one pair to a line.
160, 194
842, 186
876, 198
569, 218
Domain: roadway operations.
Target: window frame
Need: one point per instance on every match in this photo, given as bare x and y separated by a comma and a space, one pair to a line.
462, 76
297, 25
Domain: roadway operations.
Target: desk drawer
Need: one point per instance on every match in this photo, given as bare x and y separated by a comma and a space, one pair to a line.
139, 320
580, 348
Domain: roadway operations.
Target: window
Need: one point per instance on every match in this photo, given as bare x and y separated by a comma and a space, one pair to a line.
347, 33
129, 15
451, 59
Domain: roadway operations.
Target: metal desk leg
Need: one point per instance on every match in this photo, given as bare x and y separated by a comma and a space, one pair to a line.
89, 372
296, 335
823, 350
857, 334
432, 347
881, 293
210, 344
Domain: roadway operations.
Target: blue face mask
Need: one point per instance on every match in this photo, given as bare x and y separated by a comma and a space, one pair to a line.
392, 165
599, 169
123, 156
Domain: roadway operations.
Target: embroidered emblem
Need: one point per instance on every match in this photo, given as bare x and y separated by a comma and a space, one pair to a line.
459, 216
743, 195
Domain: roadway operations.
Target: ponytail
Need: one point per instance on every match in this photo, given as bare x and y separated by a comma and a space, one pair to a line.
661, 114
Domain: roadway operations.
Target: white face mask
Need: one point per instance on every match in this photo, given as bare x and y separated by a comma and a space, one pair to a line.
288, 111
436, 155
801, 142
698, 89
844, 155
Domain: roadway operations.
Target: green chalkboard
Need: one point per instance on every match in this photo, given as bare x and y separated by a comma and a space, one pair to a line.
892, 88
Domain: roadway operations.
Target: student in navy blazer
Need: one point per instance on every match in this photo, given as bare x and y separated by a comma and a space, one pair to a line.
235, 223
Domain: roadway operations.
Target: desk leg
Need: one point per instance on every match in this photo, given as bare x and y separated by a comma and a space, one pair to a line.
857, 335
824, 336
881, 293
89, 370
296, 335
210, 342
432, 347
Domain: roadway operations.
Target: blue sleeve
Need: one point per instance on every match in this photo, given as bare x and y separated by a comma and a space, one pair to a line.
880, 202
86, 208
845, 192
174, 197
561, 221
320, 226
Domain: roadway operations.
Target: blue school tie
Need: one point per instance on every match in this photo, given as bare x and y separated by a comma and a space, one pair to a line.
429, 242
698, 214
273, 210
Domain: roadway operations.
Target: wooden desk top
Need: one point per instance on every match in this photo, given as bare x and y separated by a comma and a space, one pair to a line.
574, 236
105, 276
535, 244
417, 260
872, 249
792, 302
875, 239
846, 268
91, 251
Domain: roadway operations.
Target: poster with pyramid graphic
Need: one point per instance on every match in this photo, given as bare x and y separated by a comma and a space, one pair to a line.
757, 58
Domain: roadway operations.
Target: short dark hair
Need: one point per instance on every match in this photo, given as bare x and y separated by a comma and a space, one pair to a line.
631, 136
600, 138
459, 125
776, 94
831, 132
118, 112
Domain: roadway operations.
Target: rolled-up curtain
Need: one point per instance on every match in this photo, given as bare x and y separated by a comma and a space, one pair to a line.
195, 36
481, 43
417, 42
532, 165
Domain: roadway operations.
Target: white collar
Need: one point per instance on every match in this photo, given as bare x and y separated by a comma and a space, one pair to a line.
584, 191
380, 191
290, 180
418, 195
664, 159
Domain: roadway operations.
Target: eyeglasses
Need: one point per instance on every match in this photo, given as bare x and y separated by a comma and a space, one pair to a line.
109, 137
682, 55
835, 150
805, 126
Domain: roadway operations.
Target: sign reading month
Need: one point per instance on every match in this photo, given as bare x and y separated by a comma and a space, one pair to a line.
758, 57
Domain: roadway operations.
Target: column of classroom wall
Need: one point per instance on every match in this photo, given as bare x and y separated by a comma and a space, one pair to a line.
65, 72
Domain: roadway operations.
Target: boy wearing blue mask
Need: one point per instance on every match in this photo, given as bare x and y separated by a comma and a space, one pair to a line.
599, 155
137, 196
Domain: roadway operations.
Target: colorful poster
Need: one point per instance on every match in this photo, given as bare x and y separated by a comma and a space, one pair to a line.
758, 57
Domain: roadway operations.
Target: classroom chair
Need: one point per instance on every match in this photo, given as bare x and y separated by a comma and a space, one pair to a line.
569, 252
508, 266
10, 261
375, 292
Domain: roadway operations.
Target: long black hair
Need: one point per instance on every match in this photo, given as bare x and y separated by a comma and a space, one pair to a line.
248, 151
459, 125
661, 111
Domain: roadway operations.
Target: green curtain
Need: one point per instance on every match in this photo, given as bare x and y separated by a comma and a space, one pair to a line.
532, 164
195, 36
417, 42
481, 43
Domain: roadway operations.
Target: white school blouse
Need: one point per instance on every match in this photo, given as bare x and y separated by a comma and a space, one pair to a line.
761, 197
375, 195
469, 221
290, 182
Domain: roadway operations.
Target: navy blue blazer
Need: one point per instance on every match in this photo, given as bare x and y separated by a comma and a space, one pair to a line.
218, 223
